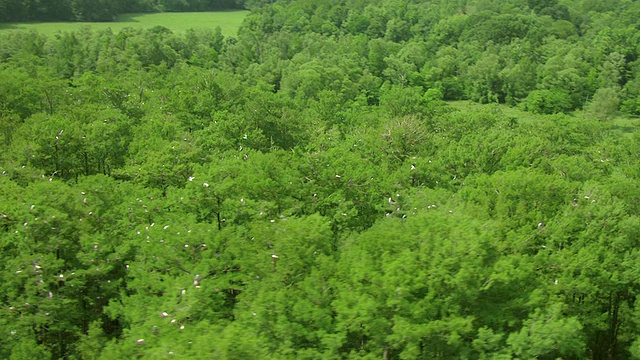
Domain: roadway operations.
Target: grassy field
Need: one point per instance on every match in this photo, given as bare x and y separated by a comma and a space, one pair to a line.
522, 116
229, 22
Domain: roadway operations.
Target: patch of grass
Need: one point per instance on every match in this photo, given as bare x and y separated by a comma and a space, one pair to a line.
510, 111
229, 22
624, 126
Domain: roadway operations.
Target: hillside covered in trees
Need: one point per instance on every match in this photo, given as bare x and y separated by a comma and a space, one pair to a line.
312, 189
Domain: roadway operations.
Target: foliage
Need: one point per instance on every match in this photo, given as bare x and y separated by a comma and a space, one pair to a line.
604, 104
308, 188
547, 102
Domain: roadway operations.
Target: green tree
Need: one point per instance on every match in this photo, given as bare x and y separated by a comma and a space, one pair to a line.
548, 334
484, 84
604, 104
547, 101
101, 10
400, 101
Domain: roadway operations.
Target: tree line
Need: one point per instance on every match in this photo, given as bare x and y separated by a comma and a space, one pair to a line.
104, 10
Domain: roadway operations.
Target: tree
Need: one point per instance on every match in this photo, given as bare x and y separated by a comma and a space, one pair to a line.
548, 335
604, 104
547, 102
20, 94
101, 10
484, 84
400, 101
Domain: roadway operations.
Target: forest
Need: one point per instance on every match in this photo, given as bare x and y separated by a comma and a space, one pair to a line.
344, 179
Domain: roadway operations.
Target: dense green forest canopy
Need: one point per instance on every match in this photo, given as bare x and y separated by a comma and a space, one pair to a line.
312, 188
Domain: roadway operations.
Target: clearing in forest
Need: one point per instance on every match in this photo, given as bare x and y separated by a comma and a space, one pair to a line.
623, 125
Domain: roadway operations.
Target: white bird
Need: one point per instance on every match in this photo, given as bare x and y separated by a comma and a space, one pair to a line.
164, 314
205, 185
274, 256
140, 342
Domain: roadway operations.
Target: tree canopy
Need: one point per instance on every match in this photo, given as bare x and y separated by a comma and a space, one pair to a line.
322, 186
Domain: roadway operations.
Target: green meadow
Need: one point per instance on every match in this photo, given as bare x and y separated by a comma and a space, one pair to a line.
623, 125
228, 21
